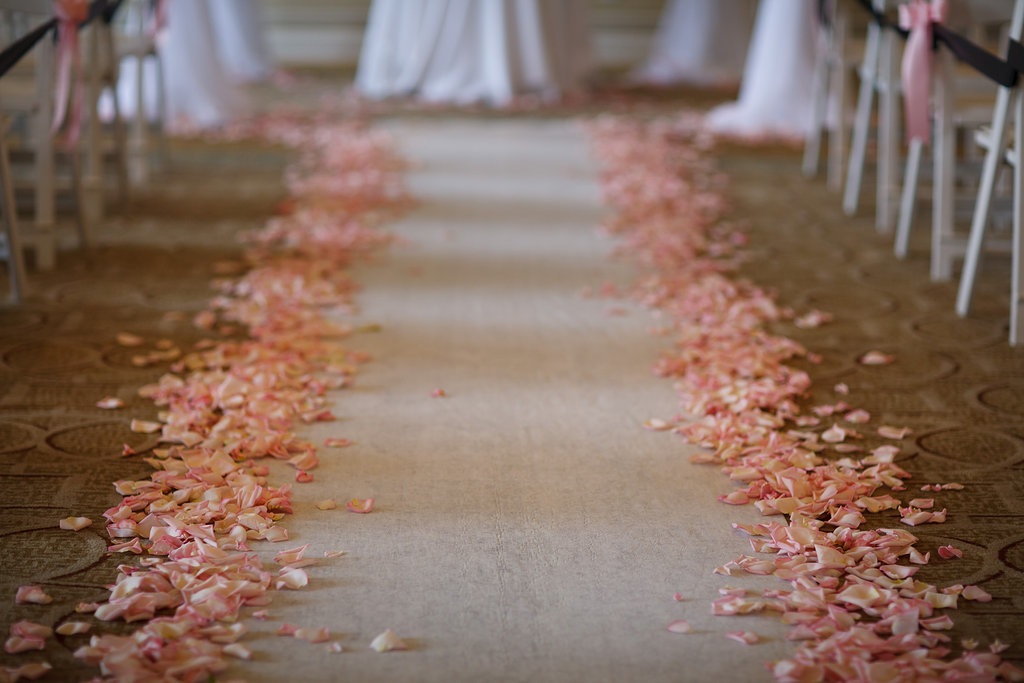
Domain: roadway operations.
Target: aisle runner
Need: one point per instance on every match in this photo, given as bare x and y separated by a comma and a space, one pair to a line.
856, 610
227, 405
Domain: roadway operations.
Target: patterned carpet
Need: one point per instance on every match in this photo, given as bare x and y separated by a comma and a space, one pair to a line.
956, 382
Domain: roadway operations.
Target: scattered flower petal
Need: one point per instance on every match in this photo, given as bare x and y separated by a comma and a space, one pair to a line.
110, 403
813, 319
876, 358
30, 671
128, 339
387, 642
32, 595
976, 594
73, 628
744, 637
887, 432
313, 635
679, 626
74, 523
145, 426
360, 505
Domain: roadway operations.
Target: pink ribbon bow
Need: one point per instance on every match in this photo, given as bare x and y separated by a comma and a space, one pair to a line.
69, 13
918, 17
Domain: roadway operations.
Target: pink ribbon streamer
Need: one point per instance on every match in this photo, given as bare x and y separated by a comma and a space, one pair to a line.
918, 17
159, 19
69, 14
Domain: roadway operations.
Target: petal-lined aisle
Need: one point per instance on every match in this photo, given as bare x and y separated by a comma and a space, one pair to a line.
525, 526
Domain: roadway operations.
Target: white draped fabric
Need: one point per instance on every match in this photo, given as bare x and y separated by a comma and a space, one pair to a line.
699, 42
467, 51
241, 41
775, 93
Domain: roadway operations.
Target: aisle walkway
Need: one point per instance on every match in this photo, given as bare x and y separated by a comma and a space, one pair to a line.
527, 527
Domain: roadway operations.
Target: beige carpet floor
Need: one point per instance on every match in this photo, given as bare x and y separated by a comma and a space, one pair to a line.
527, 527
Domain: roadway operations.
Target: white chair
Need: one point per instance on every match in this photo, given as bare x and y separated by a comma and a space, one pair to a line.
960, 105
27, 96
102, 142
129, 48
832, 70
877, 76
1008, 101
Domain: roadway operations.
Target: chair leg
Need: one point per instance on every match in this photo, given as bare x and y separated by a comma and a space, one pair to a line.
92, 180
862, 122
82, 213
908, 198
117, 124
944, 161
819, 89
888, 133
161, 115
120, 146
43, 238
15, 254
837, 140
993, 158
990, 169
1017, 276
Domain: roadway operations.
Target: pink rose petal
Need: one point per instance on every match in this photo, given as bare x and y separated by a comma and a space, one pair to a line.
388, 642
73, 628
31, 671
74, 523
110, 403
948, 552
145, 426
876, 358
679, 626
237, 650
360, 505
976, 594
18, 644
313, 635
888, 432
32, 595
128, 339
744, 637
